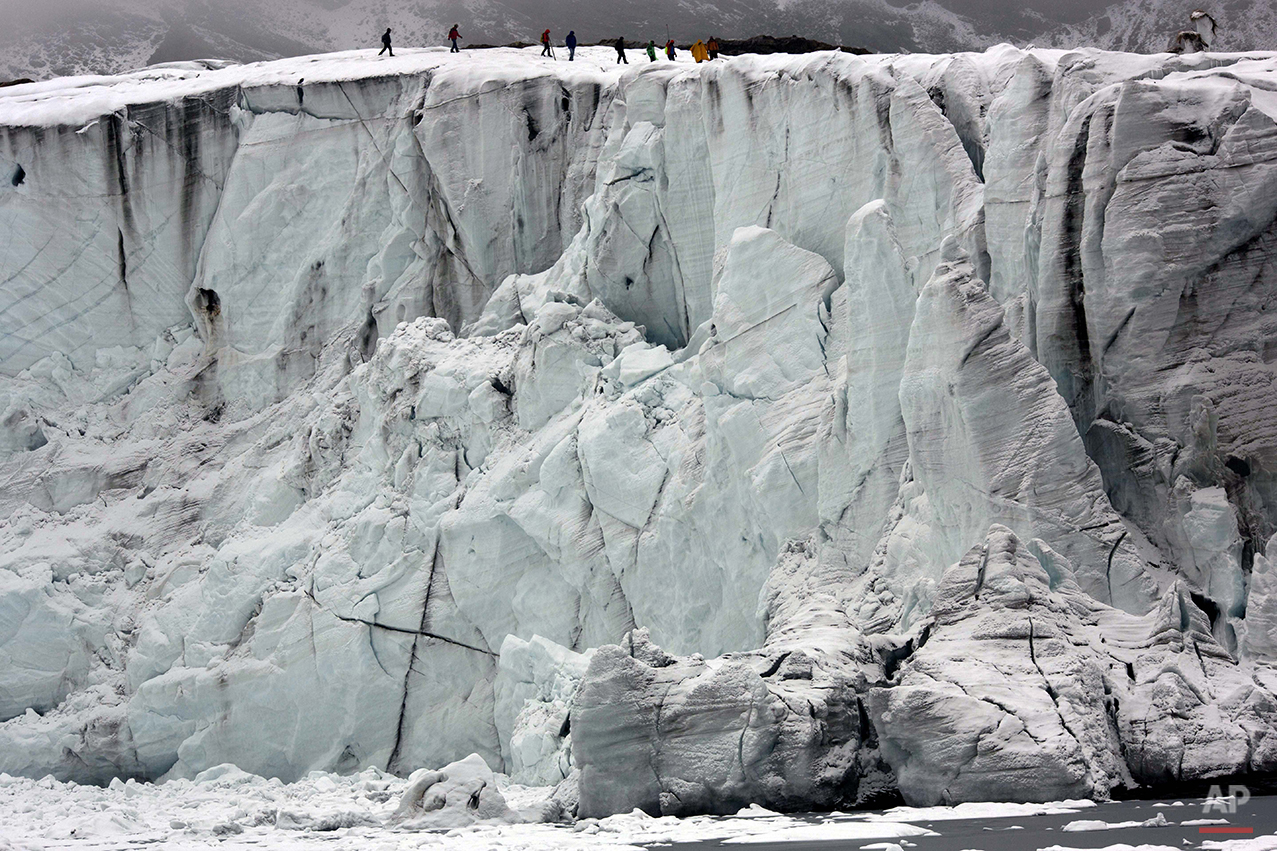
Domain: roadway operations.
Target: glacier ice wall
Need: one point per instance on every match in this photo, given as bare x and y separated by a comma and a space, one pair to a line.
917, 407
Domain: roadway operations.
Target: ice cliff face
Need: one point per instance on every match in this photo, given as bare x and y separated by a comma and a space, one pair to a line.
918, 407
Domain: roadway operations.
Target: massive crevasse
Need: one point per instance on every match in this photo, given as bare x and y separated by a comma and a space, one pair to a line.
918, 407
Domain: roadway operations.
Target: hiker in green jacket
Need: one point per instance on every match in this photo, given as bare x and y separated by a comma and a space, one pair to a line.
651, 50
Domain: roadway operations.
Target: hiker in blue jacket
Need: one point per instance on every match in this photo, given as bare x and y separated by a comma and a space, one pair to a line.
571, 43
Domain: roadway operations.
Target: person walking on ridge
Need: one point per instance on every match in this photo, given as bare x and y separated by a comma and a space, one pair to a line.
712, 46
651, 50
453, 35
545, 45
670, 53
620, 51
385, 43
570, 41
699, 53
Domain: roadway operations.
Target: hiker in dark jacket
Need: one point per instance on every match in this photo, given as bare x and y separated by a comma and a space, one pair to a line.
712, 44
545, 45
385, 43
571, 43
453, 35
620, 51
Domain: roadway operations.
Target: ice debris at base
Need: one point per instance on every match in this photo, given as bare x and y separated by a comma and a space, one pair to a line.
981, 810
228, 808
844, 832
1259, 843
1122, 846
784, 431
460, 794
1083, 825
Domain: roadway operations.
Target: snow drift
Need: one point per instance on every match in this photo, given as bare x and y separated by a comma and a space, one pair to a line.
784, 430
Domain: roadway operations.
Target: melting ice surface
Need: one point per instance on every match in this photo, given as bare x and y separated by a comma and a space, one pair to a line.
789, 431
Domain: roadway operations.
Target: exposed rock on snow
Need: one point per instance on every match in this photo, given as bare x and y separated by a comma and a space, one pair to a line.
918, 407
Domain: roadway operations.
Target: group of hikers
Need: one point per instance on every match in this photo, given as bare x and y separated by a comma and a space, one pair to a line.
702, 51
454, 35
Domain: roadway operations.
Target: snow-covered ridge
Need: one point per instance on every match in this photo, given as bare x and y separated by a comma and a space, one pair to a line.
364, 413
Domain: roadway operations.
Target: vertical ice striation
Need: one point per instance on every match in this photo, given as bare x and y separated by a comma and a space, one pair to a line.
785, 430
104, 224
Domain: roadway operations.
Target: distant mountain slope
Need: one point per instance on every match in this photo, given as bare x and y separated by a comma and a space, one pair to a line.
1146, 26
77, 36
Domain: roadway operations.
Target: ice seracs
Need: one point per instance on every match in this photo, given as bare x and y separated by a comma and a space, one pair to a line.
535, 687
790, 431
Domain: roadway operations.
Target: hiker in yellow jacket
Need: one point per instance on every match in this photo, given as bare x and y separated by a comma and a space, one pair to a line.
699, 51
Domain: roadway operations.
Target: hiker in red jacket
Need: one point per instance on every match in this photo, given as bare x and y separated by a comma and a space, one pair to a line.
453, 35
545, 45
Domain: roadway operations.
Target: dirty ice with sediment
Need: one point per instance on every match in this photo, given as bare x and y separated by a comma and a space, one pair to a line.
798, 432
